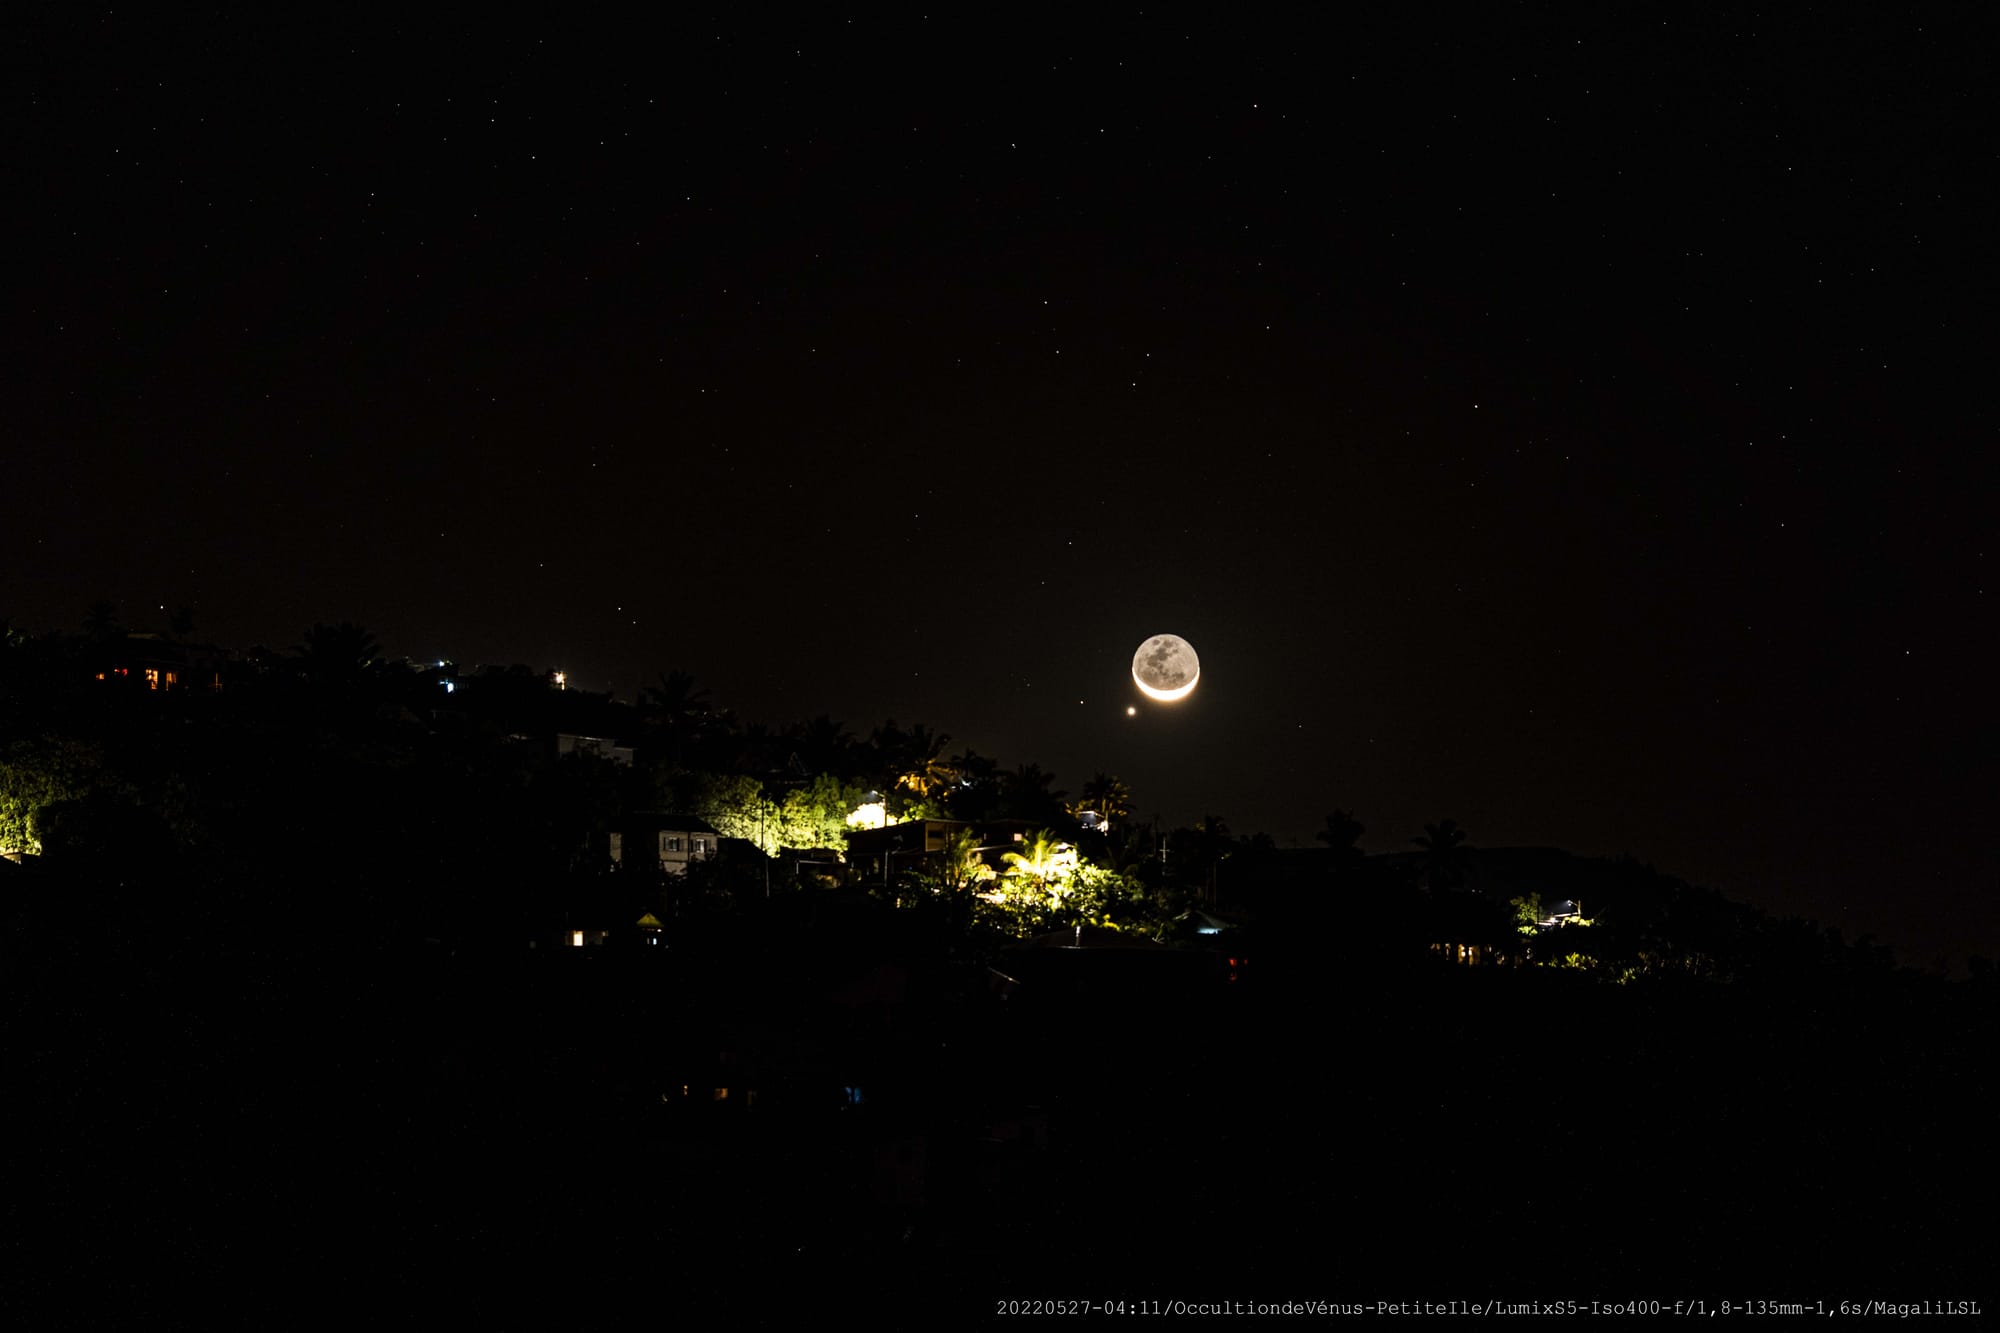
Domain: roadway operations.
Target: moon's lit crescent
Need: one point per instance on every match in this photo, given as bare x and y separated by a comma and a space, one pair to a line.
1166, 696
1166, 668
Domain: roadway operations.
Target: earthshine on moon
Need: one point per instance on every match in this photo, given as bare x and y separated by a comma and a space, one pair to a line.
1165, 668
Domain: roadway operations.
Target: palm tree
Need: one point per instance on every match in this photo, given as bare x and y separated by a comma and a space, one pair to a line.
338, 655
822, 746
924, 769
1212, 846
1107, 796
675, 695
1045, 861
1444, 854
1340, 833
751, 749
1028, 793
677, 707
912, 760
101, 621
1129, 849
962, 864
976, 785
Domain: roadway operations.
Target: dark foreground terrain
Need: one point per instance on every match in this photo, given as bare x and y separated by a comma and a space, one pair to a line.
254, 1130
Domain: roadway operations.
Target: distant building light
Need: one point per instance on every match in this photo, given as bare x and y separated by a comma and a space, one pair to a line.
450, 686
576, 938
562, 680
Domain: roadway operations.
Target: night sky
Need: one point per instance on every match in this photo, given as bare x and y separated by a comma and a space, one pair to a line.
1575, 423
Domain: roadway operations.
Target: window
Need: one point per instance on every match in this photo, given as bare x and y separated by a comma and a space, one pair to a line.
701, 846
670, 842
618, 849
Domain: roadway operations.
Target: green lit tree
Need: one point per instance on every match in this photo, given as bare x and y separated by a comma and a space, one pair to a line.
40, 775
1039, 873
816, 815
960, 866
736, 805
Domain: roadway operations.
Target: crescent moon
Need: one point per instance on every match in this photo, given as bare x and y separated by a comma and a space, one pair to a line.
1158, 668
1167, 696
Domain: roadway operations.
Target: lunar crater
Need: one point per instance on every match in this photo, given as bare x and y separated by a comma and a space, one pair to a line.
1166, 667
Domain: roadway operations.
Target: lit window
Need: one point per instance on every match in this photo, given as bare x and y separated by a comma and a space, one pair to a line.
700, 846
576, 938
152, 679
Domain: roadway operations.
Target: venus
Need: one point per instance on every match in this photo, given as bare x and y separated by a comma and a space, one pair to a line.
1165, 668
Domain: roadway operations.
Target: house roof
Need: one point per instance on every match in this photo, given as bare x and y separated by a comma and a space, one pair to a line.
666, 823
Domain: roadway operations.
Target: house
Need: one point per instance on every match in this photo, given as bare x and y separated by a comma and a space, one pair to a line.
601, 746
667, 843
153, 663
877, 852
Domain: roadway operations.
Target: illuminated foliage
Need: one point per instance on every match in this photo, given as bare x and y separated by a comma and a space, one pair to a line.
913, 761
1042, 858
38, 774
961, 865
1046, 888
814, 815
734, 804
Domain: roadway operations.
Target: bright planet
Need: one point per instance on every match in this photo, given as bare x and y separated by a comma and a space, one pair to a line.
1165, 668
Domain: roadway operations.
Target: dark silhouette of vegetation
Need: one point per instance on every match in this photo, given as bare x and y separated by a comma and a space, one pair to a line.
1444, 854
1342, 835
1108, 797
338, 657
297, 910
